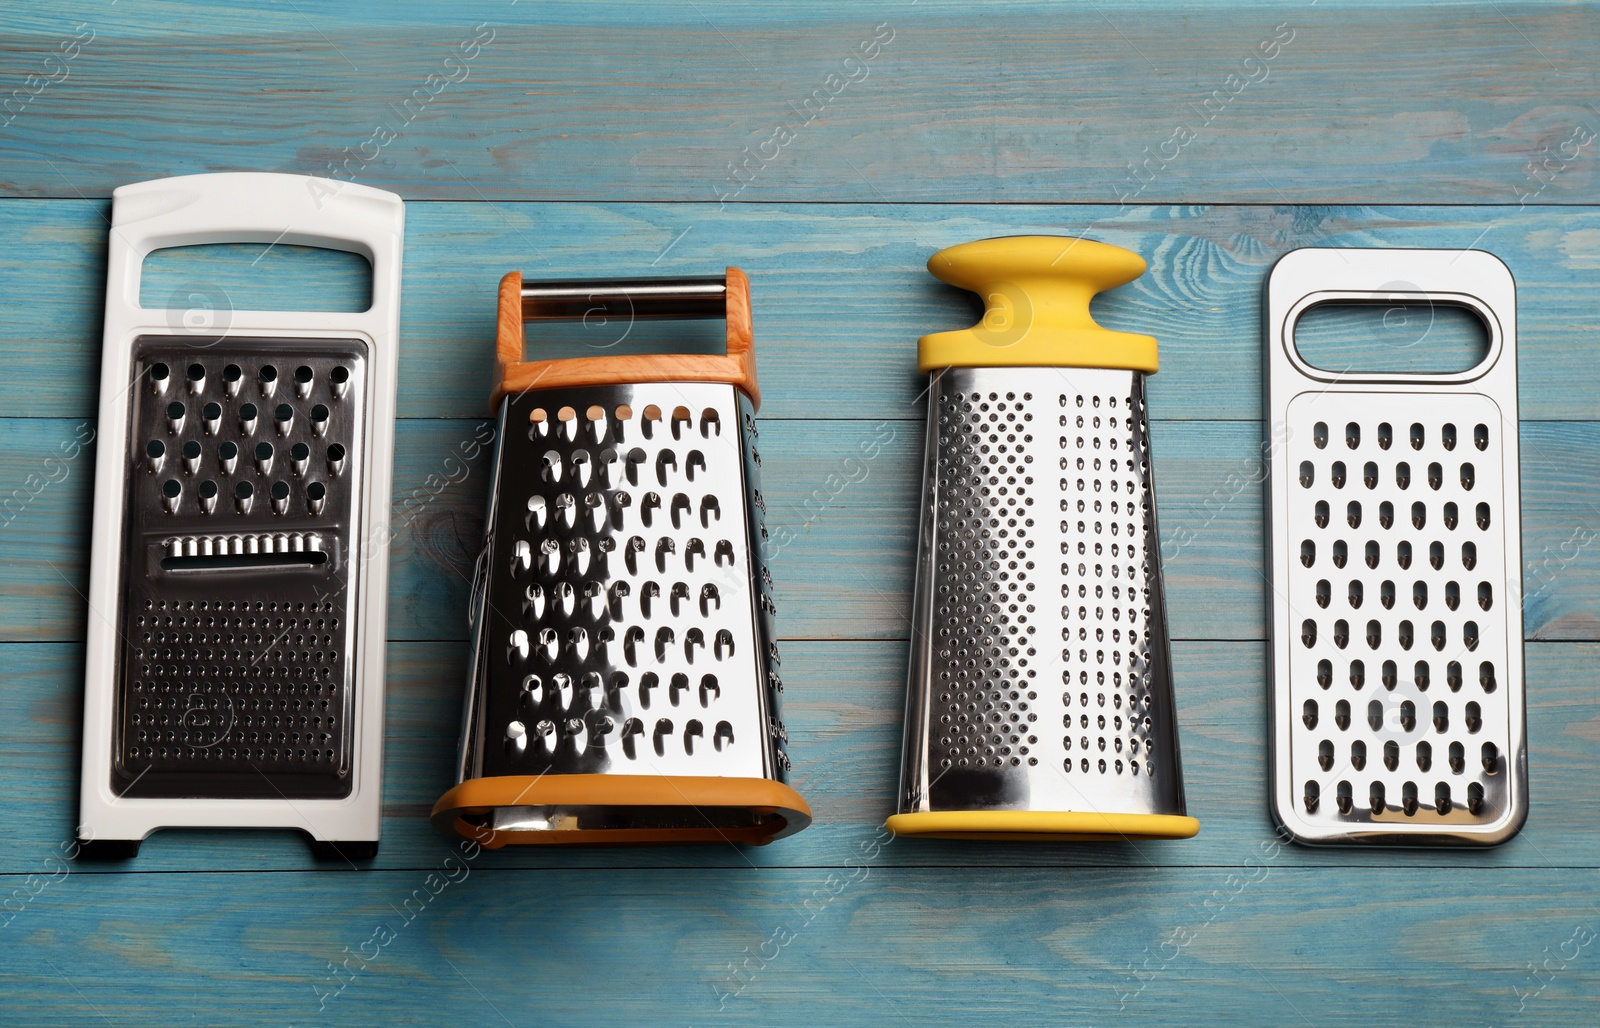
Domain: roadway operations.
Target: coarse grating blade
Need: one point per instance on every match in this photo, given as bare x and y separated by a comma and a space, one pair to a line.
1397, 625
625, 676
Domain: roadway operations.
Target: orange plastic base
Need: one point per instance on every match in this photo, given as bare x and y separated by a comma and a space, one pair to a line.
1042, 826
775, 809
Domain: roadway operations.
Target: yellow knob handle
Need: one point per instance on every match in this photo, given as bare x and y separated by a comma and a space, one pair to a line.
1036, 292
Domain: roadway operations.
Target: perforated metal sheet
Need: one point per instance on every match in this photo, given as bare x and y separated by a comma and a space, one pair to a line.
624, 604
1040, 672
1398, 581
1397, 678
244, 464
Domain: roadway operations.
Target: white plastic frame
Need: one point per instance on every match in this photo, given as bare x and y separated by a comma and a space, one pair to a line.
243, 207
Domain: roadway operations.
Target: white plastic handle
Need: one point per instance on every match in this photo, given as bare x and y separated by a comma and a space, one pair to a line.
254, 207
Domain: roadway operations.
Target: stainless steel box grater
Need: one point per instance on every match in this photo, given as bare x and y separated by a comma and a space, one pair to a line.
1395, 546
625, 677
1039, 703
237, 586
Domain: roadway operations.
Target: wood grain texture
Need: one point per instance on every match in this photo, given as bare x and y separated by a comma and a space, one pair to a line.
839, 294
890, 103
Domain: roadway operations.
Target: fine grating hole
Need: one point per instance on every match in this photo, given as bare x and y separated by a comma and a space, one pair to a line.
1486, 680
1385, 436
1341, 714
1324, 593
1352, 435
1391, 755
1419, 595
1402, 554
1419, 436
1325, 673
1402, 475
1341, 553
1480, 437
1469, 476
1485, 595
1319, 432
1452, 594
1356, 593
1308, 553
1321, 515
1391, 675
1406, 634
1358, 755
1336, 474
1420, 675
1447, 435
1452, 516
1325, 754
1375, 798
1452, 675
1472, 716
1458, 758
1435, 475
1308, 473
1352, 514
1441, 717
1419, 514
1386, 595
1483, 516
1358, 674
1408, 798
1374, 553
1436, 555
1369, 475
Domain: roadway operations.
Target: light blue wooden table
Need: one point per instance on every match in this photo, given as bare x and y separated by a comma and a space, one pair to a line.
601, 139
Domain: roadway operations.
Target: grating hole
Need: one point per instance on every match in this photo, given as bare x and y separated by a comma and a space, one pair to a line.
1385, 435
1336, 474
1358, 674
1402, 475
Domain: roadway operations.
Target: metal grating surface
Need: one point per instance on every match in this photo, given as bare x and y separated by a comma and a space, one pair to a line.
1397, 589
238, 614
626, 609
1045, 667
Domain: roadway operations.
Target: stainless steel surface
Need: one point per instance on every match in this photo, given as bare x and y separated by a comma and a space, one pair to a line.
237, 617
1397, 627
582, 299
622, 607
1040, 677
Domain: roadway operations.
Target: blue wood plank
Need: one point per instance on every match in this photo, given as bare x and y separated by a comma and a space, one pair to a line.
866, 943
834, 286
636, 101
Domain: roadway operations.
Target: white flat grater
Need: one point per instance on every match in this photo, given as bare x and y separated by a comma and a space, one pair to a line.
1039, 701
625, 680
235, 665
1395, 547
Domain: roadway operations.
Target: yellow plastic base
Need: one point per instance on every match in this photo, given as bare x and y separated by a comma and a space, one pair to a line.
1042, 826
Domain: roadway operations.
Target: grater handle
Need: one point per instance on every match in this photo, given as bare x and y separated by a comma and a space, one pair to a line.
727, 297
254, 207
1036, 292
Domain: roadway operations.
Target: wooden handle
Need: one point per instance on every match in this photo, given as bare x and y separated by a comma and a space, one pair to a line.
515, 375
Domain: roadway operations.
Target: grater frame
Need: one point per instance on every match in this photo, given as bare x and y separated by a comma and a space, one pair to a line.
624, 685
1397, 689
233, 208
